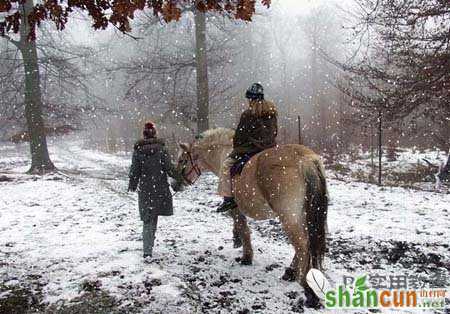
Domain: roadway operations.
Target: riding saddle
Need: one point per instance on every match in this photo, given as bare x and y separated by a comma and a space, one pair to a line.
240, 163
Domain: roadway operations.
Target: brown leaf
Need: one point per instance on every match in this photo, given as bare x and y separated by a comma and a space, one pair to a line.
171, 12
5, 6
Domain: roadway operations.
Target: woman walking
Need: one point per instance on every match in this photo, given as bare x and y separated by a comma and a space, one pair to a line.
150, 167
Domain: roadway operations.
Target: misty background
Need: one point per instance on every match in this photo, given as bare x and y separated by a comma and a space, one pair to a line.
104, 85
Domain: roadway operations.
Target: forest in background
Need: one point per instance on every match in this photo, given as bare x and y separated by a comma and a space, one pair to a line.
346, 71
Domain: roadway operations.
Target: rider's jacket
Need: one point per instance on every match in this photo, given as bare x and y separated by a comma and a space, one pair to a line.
257, 129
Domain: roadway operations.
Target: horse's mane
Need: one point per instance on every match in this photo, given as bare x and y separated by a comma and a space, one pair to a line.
219, 137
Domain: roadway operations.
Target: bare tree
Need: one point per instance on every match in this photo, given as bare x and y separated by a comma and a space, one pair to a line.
65, 96
404, 70
162, 81
323, 33
40, 159
202, 72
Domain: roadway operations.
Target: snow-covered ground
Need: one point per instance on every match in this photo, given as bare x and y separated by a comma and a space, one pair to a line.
408, 169
73, 238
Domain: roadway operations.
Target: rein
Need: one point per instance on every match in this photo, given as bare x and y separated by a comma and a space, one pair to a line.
194, 168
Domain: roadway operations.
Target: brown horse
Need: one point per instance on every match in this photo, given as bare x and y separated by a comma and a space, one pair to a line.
286, 181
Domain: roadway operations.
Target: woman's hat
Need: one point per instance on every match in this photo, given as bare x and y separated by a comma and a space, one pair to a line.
149, 130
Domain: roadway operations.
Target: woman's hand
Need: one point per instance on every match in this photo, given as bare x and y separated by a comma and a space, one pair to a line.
177, 185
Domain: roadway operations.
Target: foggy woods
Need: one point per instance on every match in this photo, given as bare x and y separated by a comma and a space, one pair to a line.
208, 93
330, 65
406, 65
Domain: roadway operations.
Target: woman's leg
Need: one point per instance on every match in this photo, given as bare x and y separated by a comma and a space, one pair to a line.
148, 235
224, 188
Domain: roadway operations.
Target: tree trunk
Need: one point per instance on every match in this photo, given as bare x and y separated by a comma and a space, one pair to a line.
444, 173
372, 154
40, 159
202, 72
300, 138
380, 147
316, 99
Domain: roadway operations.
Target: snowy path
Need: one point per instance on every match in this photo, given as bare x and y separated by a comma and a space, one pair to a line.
57, 233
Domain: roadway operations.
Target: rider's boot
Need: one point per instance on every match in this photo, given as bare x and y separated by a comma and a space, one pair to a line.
228, 203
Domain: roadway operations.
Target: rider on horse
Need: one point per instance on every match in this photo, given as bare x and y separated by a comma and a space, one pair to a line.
257, 131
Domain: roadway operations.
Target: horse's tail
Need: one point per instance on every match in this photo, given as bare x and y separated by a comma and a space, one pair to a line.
316, 206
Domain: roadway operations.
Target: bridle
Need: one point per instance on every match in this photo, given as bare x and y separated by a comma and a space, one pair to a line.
194, 168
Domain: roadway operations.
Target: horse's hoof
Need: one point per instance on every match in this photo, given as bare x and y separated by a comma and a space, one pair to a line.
244, 261
237, 242
313, 304
289, 275
312, 301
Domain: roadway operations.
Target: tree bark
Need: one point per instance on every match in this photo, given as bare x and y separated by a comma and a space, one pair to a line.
372, 154
300, 138
40, 159
444, 173
380, 147
202, 72
317, 102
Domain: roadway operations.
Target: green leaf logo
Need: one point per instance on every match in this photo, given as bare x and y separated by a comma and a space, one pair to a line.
360, 283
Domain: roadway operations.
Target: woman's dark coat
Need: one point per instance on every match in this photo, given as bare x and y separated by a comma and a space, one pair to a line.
148, 174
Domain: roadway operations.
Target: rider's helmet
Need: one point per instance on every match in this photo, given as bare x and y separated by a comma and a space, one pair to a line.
255, 92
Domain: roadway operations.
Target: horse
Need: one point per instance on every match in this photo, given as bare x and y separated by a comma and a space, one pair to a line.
286, 181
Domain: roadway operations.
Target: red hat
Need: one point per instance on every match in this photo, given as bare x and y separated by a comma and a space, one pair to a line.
149, 130
149, 125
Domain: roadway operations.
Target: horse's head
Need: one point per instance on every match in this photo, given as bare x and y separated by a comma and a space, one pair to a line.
206, 153
189, 164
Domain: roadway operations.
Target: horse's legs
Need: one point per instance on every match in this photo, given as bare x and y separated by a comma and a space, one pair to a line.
237, 240
290, 274
298, 236
247, 257
234, 213
241, 228
299, 239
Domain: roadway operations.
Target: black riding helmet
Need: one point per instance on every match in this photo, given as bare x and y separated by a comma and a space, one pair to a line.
255, 92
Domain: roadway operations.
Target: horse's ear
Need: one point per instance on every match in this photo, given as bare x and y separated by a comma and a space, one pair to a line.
184, 146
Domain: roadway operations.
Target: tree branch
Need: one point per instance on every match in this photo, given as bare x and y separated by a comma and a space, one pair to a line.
13, 41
